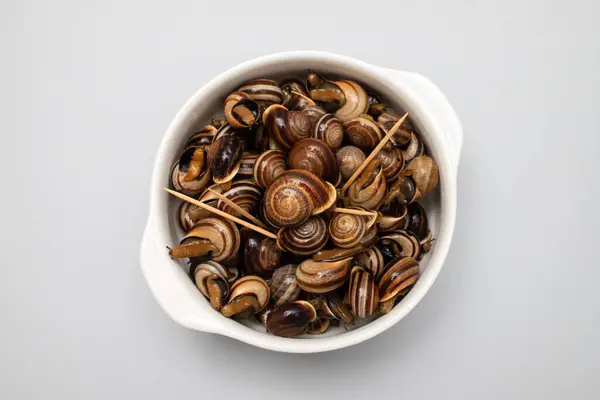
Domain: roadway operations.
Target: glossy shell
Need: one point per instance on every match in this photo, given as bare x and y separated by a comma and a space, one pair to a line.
315, 156
424, 172
268, 167
222, 233
401, 244
363, 293
241, 111
289, 86
284, 287
322, 276
286, 127
349, 158
363, 133
190, 188
399, 274
369, 189
244, 193
305, 238
290, 319
372, 261
254, 286
330, 130
337, 253
347, 230
357, 101
392, 162
264, 91
402, 190
402, 136
414, 149
298, 101
201, 274
392, 217
261, 254
417, 221
225, 155
296, 195
189, 214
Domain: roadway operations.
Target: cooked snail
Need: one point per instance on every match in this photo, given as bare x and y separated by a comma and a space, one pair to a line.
290, 319
296, 195
357, 101
189, 214
246, 169
363, 133
417, 221
424, 172
399, 274
392, 162
261, 254
203, 137
315, 156
329, 129
220, 236
337, 254
225, 155
392, 216
414, 149
401, 244
347, 230
349, 158
362, 293
304, 239
402, 136
322, 276
402, 190
284, 287
241, 111
371, 260
249, 294
264, 91
376, 106
290, 86
332, 306
328, 95
245, 193
286, 127
298, 101
268, 167
318, 326
190, 175
211, 278
369, 189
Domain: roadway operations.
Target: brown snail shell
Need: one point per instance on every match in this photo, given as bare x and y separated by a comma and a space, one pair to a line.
363, 293
424, 172
337, 253
313, 80
417, 221
221, 233
333, 307
211, 278
370, 237
261, 254
392, 217
376, 106
298, 101
202, 137
195, 248
290, 319
303, 239
363, 133
403, 190
245, 193
246, 170
402, 136
225, 155
314, 113
349, 158
190, 175
261, 139
286, 127
415, 148
347, 230
318, 326
369, 189
315, 156
357, 101
189, 214
295, 196
264, 91
387, 306
290, 86
399, 274
401, 244
322, 276
268, 167
284, 287
248, 294
372, 261
241, 111
392, 161
330, 130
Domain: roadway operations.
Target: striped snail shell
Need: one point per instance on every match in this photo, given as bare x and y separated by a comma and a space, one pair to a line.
399, 274
221, 233
400, 244
299, 101
290, 319
304, 239
295, 196
327, 94
337, 253
392, 217
403, 191
202, 137
225, 155
362, 293
241, 111
261, 254
363, 133
314, 113
402, 136
322, 276
189, 214
191, 175
289, 86
211, 278
245, 193
284, 287
392, 162
265, 91
370, 187
249, 294
333, 307
415, 148
268, 167
424, 172
347, 230
330, 130
314, 155
286, 127
246, 170
318, 326
357, 100
349, 158
372, 261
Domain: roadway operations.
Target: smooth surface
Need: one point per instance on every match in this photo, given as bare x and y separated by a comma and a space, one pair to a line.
88, 91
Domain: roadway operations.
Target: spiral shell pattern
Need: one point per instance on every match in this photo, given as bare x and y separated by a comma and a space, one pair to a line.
315, 156
286, 127
369, 188
357, 100
261, 254
324, 276
330, 130
222, 233
268, 167
392, 162
399, 274
245, 193
424, 172
362, 293
284, 287
363, 133
372, 261
304, 239
246, 170
347, 230
263, 90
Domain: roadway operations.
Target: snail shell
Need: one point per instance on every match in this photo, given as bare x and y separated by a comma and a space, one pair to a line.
264, 91
337, 254
362, 293
349, 158
370, 187
180, 176
298, 101
315, 156
357, 101
415, 148
268, 167
289, 86
424, 172
318, 326
401, 244
203, 137
402, 136
333, 307
250, 293
290, 319
247, 166
330, 130
189, 214
417, 221
313, 80
392, 217
286, 127
303, 239
225, 155
203, 274
261, 139
322, 276
370, 237
347, 230
371, 260
314, 113
284, 287
328, 95
261, 254
245, 193
376, 106
403, 191
392, 161
222, 233
241, 111
296, 195
363, 133
399, 274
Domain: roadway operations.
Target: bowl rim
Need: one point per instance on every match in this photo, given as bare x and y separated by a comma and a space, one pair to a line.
448, 199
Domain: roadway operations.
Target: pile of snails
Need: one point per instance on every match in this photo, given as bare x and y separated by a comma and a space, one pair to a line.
302, 205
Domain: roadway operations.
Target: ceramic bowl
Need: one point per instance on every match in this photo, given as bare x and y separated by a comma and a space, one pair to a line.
429, 111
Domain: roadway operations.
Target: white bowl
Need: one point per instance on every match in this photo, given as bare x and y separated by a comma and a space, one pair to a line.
429, 111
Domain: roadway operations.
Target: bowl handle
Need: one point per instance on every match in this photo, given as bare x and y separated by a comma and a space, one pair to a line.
165, 277
439, 104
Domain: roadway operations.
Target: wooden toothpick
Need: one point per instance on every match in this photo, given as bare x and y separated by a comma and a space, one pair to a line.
362, 166
352, 211
237, 208
222, 214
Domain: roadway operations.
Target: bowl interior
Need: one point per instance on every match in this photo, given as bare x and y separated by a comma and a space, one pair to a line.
208, 103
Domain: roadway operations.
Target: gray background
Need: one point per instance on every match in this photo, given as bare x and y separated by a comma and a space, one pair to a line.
87, 90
